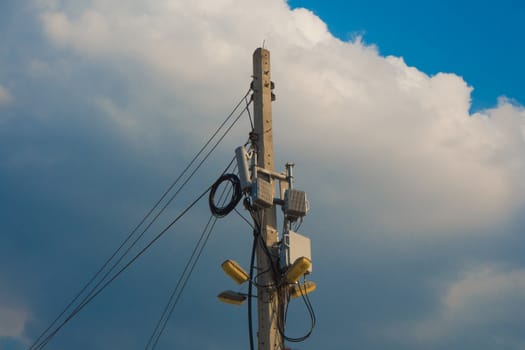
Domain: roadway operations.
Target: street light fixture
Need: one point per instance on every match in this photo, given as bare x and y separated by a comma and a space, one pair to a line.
231, 297
235, 271
297, 290
298, 268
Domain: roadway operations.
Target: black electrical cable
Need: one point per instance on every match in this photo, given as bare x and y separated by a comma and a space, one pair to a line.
281, 319
309, 304
257, 216
190, 265
256, 278
213, 221
256, 233
106, 263
242, 217
257, 239
250, 287
82, 305
249, 114
89, 297
269, 256
309, 307
172, 197
222, 211
282, 290
258, 220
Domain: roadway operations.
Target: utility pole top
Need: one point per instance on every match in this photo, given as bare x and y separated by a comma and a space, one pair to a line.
262, 102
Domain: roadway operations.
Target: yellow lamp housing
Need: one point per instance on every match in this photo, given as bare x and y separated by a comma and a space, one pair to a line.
298, 268
231, 297
297, 290
235, 271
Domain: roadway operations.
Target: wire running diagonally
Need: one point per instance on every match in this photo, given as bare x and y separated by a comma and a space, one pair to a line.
81, 306
39, 343
186, 274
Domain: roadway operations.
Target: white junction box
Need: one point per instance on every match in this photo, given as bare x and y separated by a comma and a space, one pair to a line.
295, 246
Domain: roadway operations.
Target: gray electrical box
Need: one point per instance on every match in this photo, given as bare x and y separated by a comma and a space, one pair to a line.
295, 246
262, 193
294, 204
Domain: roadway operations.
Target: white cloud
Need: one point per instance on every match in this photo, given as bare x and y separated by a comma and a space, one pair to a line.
410, 157
5, 96
13, 314
373, 139
485, 285
12, 321
57, 26
485, 301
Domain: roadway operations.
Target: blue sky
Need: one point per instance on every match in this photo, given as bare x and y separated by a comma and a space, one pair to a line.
406, 124
479, 42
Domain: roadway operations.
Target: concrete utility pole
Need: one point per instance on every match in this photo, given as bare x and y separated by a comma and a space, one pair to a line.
269, 337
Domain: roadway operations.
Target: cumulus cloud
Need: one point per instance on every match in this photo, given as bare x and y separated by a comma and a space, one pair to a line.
416, 160
377, 143
5, 96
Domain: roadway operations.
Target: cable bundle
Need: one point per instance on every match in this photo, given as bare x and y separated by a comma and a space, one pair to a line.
236, 196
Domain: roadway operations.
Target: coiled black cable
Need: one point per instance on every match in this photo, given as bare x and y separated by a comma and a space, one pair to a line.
235, 198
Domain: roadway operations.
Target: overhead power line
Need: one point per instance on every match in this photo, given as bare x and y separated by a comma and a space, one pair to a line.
45, 336
188, 270
142, 251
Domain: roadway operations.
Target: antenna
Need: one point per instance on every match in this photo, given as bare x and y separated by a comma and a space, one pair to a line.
242, 164
281, 261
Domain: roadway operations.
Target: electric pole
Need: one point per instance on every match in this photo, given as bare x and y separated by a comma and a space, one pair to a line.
269, 337
281, 261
